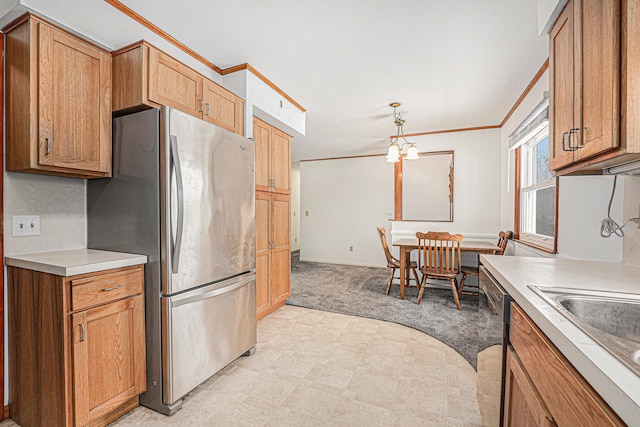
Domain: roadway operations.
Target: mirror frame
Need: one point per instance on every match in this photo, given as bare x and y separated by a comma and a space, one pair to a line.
398, 196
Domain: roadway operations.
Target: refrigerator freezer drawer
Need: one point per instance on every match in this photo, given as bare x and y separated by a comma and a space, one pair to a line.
206, 329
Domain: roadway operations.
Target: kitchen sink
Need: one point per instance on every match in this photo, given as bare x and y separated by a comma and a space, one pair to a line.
611, 319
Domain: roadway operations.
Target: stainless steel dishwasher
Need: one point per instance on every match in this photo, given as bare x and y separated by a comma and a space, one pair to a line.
499, 303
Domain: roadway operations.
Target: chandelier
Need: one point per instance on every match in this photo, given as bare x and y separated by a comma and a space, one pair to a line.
397, 148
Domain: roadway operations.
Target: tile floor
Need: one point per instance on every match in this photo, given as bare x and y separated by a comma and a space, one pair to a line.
314, 368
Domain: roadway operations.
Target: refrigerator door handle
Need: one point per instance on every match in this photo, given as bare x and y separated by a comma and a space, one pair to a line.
175, 165
232, 285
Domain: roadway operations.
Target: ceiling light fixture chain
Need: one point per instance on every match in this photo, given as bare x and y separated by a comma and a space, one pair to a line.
397, 150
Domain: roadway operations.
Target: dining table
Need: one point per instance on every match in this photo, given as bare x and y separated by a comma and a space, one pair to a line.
409, 244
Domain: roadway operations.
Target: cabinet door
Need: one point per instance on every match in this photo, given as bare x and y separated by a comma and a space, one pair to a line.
174, 84
561, 88
74, 103
108, 357
598, 32
280, 274
281, 254
280, 161
262, 138
280, 222
263, 221
221, 107
523, 406
263, 279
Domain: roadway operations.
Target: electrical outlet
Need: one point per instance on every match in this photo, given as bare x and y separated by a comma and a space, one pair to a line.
350, 248
25, 225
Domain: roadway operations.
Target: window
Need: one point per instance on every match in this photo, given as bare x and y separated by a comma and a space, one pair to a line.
536, 199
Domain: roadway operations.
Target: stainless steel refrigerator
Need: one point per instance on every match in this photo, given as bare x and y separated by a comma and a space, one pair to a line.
182, 193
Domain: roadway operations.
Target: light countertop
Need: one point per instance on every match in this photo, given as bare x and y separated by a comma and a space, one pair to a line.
617, 384
74, 262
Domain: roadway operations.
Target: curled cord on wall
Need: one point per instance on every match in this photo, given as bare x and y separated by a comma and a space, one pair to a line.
608, 226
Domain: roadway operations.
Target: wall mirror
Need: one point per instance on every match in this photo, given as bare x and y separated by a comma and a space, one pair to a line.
424, 188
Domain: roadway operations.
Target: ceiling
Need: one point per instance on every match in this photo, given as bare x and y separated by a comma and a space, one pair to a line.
451, 63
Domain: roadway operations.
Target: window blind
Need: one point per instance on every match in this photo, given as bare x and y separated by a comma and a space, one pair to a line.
532, 124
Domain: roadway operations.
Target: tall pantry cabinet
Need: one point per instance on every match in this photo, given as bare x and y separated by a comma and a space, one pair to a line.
273, 220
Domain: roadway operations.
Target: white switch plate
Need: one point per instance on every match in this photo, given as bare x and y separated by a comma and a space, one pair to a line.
26, 225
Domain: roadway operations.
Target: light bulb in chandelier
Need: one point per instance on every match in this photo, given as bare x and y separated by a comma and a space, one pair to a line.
397, 150
393, 155
412, 152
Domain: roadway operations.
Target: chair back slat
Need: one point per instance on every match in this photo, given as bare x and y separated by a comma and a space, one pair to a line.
503, 239
383, 239
440, 251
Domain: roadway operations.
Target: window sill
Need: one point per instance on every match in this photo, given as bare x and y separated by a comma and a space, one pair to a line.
538, 247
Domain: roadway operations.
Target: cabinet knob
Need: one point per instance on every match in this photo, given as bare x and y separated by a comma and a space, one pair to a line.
200, 106
47, 148
110, 289
207, 109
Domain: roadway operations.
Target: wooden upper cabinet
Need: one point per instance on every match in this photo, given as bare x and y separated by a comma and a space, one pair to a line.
222, 107
174, 84
280, 161
561, 88
593, 79
145, 77
273, 158
58, 102
262, 137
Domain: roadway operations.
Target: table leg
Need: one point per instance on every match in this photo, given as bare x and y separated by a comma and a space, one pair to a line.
403, 270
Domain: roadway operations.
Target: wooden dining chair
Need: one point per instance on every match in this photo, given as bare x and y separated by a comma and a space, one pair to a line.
503, 238
439, 258
394, 264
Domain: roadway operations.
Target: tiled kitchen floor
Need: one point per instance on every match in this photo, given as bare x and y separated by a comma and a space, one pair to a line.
317, 368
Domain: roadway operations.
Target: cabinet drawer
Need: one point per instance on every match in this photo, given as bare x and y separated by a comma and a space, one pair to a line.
570, 399
96, 290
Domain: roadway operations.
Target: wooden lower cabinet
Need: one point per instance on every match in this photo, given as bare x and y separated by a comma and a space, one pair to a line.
76, 346
542, 387
523, 405
273, 252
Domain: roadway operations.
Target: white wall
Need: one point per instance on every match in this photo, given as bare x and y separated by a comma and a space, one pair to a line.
295, 209
631, 241
346, 200
548, 12
583, 202
265, 103
476, 182
61, 204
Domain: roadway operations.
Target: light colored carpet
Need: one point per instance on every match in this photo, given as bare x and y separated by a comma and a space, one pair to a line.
360, 291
